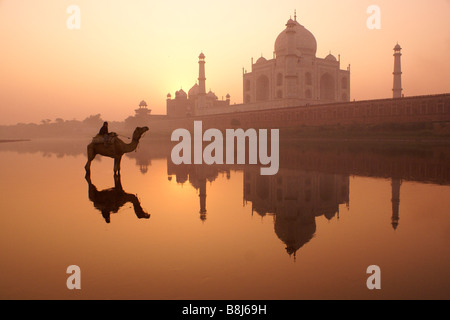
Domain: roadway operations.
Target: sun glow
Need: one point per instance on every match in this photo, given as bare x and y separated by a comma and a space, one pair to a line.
124, 52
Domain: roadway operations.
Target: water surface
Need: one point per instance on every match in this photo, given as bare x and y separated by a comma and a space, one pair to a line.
225, 232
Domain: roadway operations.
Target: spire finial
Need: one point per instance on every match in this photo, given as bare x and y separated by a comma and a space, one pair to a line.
295, 15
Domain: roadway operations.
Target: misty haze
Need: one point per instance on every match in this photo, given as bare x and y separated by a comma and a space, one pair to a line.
192, 151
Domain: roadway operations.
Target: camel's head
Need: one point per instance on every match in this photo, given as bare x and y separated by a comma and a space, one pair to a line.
139, 132
141, 214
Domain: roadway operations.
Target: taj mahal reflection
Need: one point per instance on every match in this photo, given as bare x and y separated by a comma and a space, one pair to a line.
296, 198
312, 183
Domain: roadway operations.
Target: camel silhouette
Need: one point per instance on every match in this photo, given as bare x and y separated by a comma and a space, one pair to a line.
111, 200
116, 149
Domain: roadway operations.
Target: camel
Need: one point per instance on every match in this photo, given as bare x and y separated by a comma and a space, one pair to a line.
111, 200
116, 149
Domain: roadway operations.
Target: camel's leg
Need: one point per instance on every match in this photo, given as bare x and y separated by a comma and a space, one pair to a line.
117, 165
90, 156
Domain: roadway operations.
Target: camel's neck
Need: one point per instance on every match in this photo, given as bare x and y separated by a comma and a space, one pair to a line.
128, 197
130, 147
136, 205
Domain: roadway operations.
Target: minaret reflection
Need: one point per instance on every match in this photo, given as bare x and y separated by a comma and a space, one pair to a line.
295, 198
396, 184
198, 176
202, 197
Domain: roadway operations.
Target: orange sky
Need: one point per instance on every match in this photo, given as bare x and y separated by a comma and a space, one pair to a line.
126, 51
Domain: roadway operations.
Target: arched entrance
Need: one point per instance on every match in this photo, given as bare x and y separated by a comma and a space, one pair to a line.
327, 87
262, 88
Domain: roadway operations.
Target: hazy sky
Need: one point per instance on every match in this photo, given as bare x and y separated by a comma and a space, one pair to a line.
127, 51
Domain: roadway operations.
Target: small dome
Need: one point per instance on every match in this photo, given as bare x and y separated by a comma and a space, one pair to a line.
290, 22
330, 57
169, 95
211, 95
201, 56
397, 47
180, 94
143, 104
194, 91
261, 60
305, 43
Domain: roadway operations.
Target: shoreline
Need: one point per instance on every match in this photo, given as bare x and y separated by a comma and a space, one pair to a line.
368, 140
287, 138
15, 140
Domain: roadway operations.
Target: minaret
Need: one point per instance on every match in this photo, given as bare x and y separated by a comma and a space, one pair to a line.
201, 81
291, 60
396, 184
397, 72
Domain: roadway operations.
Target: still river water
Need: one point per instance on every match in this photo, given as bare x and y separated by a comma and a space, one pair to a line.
225, 232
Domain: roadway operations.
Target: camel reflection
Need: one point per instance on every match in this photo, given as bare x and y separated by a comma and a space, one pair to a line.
111, 200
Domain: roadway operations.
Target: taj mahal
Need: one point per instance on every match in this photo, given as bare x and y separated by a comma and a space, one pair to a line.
293, 77
294, 89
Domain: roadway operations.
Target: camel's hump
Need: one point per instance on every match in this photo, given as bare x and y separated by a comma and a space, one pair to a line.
101, 138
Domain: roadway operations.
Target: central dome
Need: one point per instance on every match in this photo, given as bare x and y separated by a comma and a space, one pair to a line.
305, 43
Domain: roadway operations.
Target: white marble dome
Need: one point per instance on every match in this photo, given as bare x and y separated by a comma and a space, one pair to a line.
305, 42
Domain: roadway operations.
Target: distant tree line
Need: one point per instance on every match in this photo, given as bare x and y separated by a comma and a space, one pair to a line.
47, 128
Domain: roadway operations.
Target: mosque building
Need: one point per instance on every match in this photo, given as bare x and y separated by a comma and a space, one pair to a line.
196, 100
